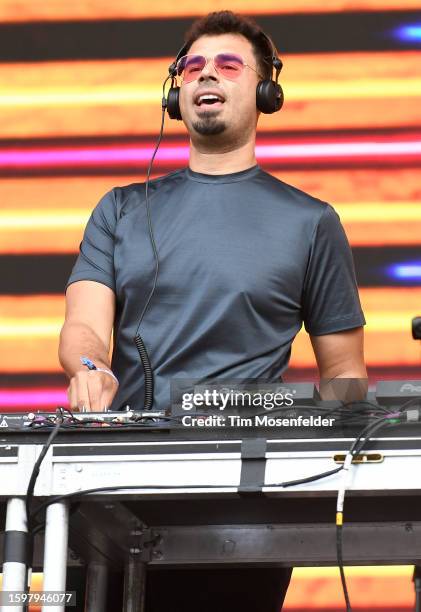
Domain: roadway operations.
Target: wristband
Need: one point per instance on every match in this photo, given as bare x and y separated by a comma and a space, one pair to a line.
108, 372
91, 366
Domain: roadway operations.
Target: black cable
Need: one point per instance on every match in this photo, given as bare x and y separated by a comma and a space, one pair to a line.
36, 468
57, 498
147, 372
30, 494
360, 441
291, 483
417, 586
140, 345
339, 557
357, 446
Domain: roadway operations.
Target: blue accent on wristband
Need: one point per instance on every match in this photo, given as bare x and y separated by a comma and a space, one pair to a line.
88, 363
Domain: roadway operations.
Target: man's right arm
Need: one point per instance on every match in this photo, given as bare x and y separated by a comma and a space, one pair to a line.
90, 311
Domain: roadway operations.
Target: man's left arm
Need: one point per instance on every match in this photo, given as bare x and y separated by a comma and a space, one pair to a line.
332, 312
340, 356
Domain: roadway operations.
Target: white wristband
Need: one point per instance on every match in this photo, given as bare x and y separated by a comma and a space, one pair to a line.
107, 372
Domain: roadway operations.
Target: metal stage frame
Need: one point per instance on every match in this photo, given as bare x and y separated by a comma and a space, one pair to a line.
204, 499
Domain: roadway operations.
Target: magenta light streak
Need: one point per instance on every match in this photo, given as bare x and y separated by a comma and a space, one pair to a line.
32, 398
125, 155
341, 149
86, 157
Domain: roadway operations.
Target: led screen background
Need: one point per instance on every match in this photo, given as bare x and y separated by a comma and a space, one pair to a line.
80, 89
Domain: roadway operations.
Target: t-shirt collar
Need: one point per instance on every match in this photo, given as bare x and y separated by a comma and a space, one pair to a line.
222, 178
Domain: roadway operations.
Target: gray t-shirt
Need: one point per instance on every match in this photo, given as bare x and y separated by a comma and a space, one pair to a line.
245, 259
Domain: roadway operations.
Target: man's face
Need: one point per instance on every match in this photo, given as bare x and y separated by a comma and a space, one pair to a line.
234, 118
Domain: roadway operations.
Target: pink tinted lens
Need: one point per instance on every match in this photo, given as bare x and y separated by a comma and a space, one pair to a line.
229, 65
190, 66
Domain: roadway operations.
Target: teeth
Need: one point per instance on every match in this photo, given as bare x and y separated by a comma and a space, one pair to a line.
208, 97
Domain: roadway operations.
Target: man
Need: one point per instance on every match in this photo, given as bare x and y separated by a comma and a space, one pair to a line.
244, 260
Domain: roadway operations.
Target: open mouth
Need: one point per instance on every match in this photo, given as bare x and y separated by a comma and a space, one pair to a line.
208, 100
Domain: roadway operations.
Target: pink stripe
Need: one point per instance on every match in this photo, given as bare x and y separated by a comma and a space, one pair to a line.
30, 398
86, 156
293, 151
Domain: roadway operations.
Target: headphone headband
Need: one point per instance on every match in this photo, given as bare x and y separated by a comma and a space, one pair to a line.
172, 67
275, 59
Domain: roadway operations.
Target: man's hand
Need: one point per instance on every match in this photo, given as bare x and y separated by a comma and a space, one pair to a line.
91, 390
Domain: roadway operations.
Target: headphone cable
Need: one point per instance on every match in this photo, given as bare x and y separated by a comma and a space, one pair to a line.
140, 345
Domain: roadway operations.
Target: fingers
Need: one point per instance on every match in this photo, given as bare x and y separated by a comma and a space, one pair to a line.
82, 393
108, 394
92, 391
71, 394
95, 391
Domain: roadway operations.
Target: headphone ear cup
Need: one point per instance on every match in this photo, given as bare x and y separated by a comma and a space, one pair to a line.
269, 96
173, 103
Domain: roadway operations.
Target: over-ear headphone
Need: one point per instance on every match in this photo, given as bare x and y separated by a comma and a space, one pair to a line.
269, 94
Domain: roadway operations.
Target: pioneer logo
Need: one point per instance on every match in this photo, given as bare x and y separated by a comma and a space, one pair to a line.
411, 388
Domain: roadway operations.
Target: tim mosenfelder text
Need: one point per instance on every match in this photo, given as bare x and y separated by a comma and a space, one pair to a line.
263, 420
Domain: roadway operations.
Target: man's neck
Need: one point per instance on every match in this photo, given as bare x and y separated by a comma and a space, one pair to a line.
222, 162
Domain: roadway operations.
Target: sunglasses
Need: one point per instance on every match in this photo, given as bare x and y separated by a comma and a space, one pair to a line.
229, 65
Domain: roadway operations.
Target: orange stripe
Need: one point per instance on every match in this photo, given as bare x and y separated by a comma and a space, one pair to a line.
312, 592
351, 192
348, 186
381, 348
39, 10
37, 320
63, 238
323, 91
382, 234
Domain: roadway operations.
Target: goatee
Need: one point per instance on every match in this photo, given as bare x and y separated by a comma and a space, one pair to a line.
209, 125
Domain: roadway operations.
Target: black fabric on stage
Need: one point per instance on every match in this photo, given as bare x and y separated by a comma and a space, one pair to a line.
217, 590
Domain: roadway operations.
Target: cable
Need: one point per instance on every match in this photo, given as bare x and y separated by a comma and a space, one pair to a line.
30, 494
360, 441
292, 483
36, 468
285, 484
356, 447
417, 585
341, 566
140, 345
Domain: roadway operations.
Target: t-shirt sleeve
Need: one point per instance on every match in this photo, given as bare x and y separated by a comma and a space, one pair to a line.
330, 297
96, 253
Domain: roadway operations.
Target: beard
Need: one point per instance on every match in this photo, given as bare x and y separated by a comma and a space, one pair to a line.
209, 125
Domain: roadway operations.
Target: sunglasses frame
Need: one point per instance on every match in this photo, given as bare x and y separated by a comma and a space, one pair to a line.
208, 59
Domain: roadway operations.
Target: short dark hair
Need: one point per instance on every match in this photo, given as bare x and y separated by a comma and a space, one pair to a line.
227, 22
